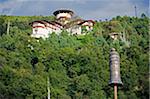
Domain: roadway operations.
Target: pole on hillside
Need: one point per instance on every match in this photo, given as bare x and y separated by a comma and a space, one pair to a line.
8, 26
115, 91
135, 11
48, 88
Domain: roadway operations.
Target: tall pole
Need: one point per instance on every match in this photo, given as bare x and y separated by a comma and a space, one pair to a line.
135, 11
8, 26
115, 91
48, 88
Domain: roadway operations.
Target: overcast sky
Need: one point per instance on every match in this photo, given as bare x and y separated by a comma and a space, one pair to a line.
86, 9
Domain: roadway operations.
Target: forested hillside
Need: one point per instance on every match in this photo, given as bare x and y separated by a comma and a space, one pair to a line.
77, 66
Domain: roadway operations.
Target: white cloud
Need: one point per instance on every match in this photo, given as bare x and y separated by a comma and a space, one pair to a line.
88, 9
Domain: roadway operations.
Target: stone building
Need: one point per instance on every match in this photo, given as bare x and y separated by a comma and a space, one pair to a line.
64, 20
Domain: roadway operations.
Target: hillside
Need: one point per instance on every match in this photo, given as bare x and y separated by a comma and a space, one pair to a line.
77, 66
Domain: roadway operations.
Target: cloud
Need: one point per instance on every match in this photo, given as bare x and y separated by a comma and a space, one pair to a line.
8, 6
88, 9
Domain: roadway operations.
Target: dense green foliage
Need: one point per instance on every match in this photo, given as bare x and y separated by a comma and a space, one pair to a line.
77, 66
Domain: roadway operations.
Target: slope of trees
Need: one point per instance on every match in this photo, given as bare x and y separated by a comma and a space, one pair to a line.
77, 66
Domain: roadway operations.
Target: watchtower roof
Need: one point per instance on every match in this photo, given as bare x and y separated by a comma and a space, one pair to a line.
63, 11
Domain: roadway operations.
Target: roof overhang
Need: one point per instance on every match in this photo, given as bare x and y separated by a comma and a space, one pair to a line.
54, 23
63, 11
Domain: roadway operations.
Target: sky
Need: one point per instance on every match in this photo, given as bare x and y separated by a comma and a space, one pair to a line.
86, 9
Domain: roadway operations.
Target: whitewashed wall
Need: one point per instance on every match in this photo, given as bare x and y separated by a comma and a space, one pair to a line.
75, 30
43, 30
88, 25
63, 15
39, 30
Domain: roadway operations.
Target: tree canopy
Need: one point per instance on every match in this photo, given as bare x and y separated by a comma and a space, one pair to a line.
77, 66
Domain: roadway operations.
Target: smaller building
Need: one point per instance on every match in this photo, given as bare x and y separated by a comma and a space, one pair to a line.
39, 29
44, 28
74, 30
88, 24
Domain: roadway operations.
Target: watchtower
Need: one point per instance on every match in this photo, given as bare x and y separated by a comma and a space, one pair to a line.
63, 16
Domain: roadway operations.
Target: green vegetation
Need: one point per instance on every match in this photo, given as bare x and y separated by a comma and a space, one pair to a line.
77, 66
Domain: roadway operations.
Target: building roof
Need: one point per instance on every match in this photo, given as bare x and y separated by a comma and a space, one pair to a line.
47, 22
86, 21
90, 21
41, 21
73, 23
63, 11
